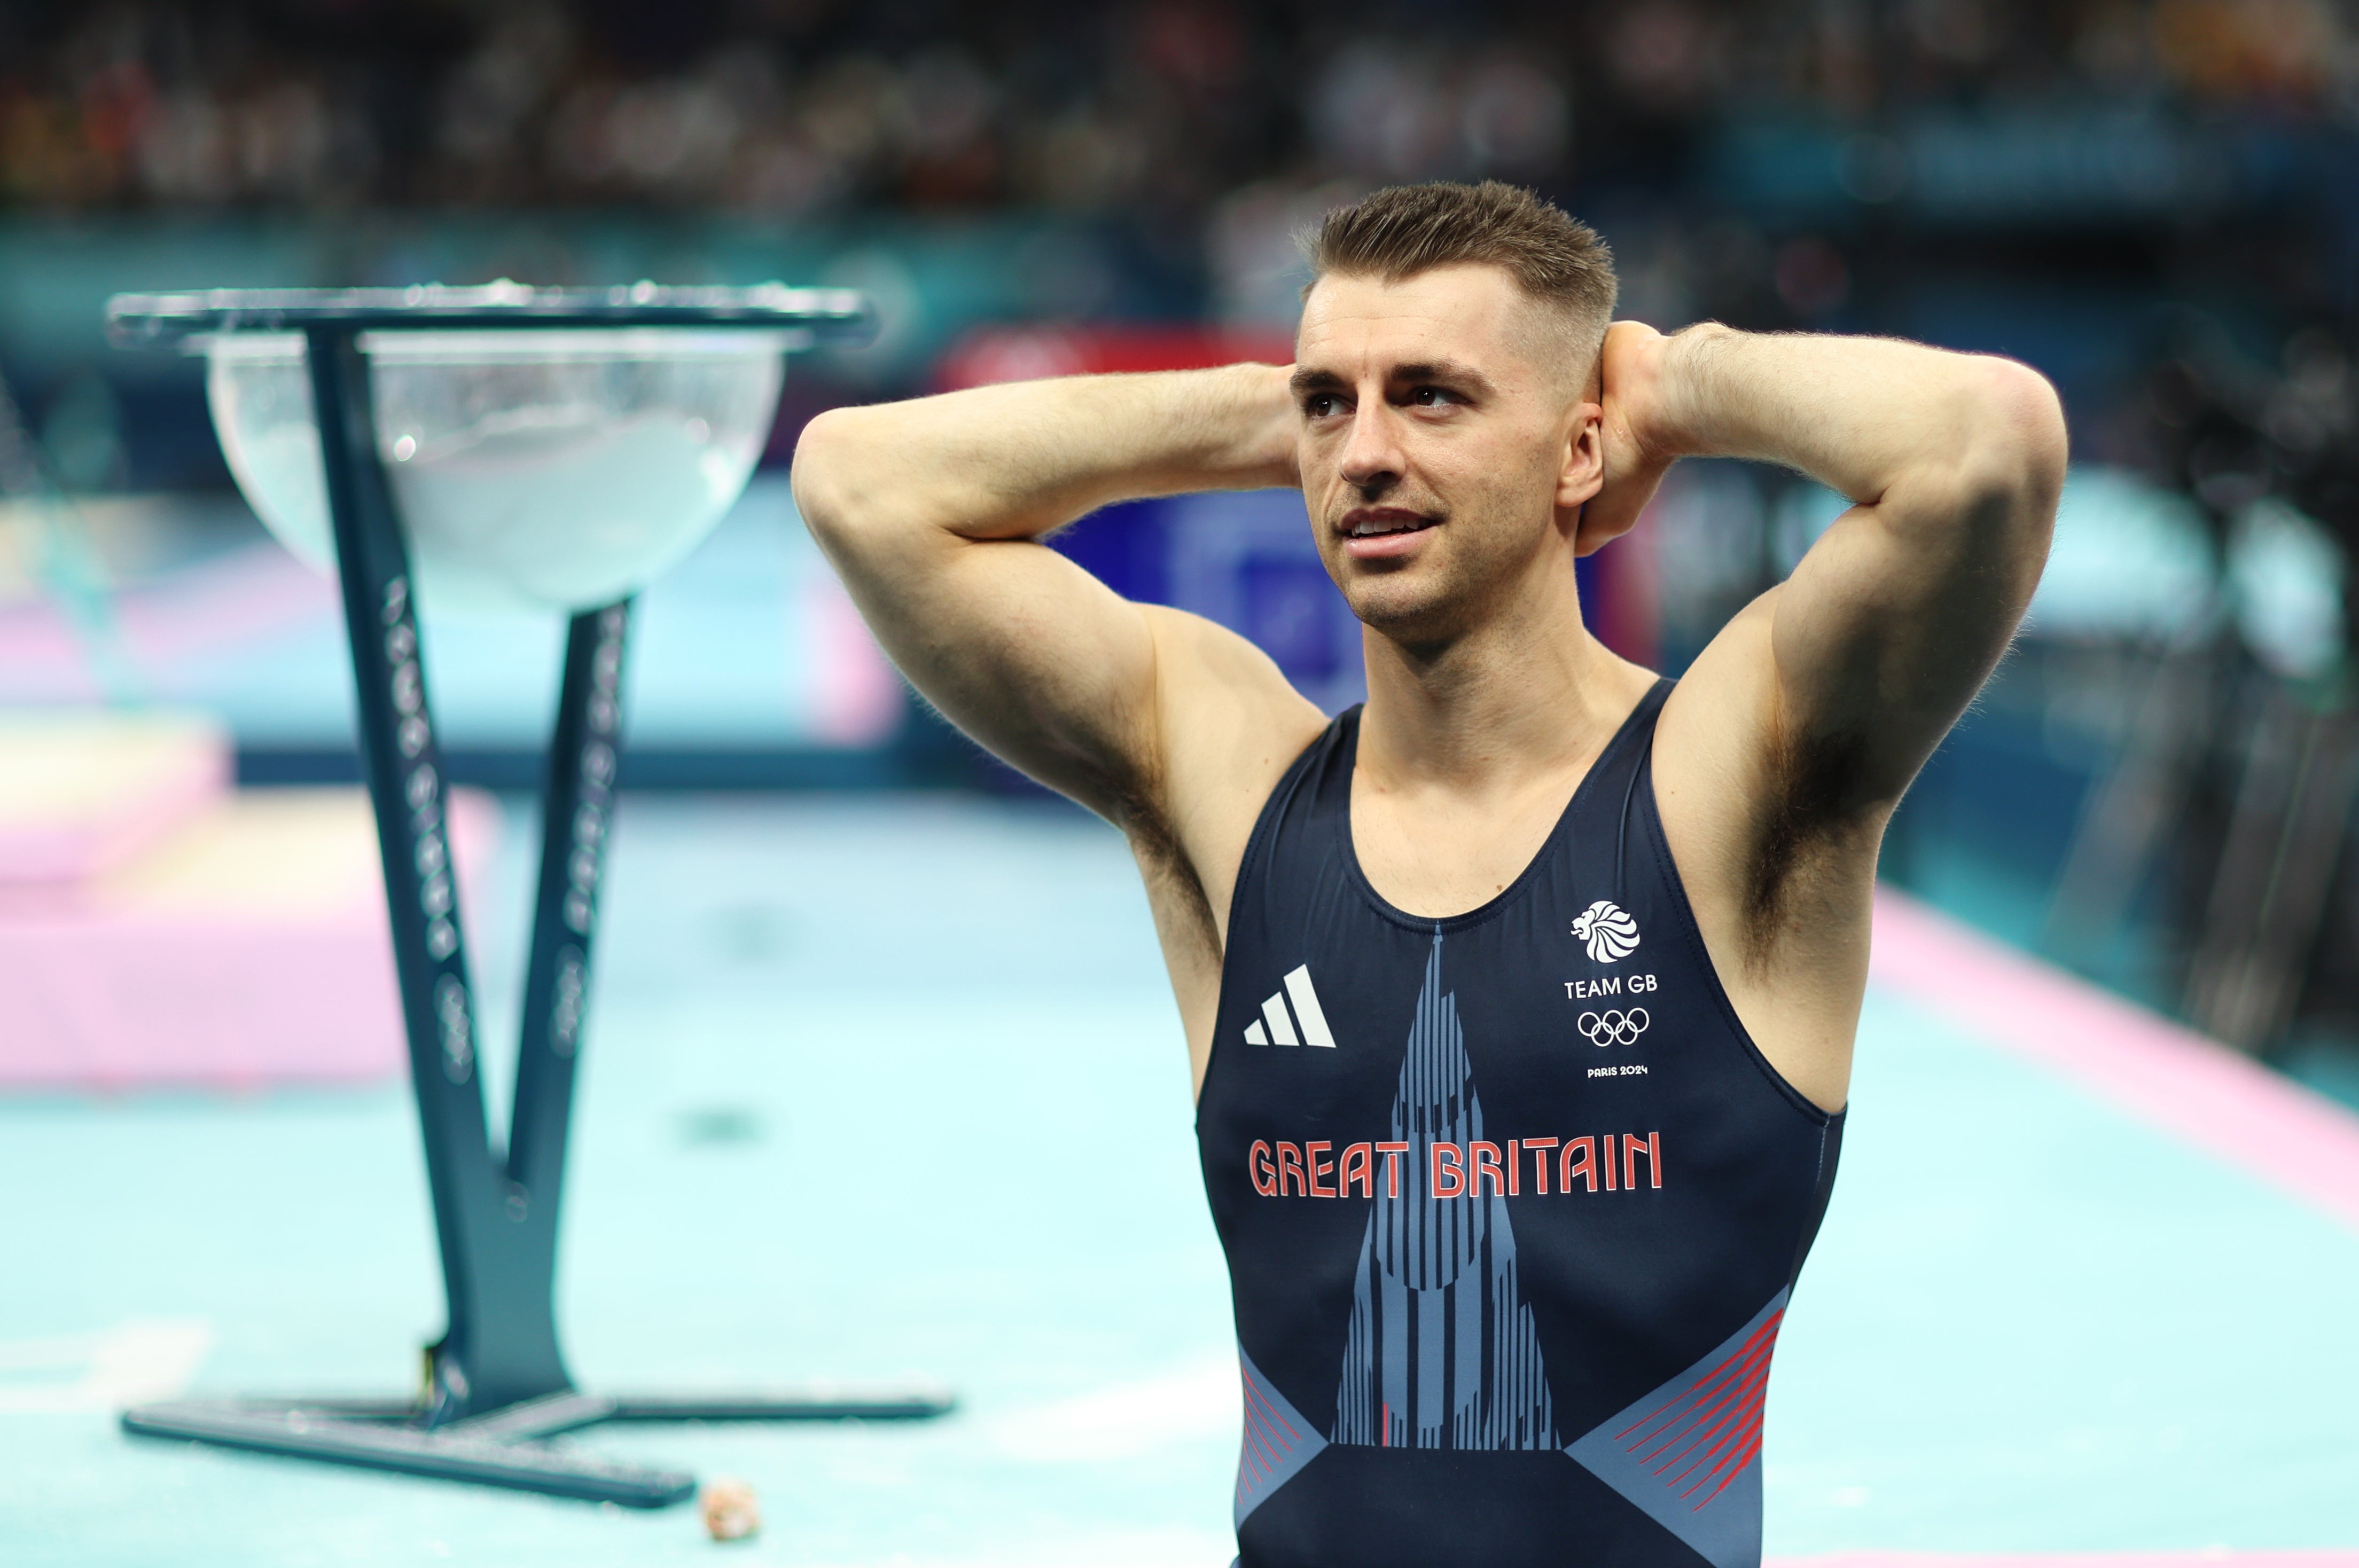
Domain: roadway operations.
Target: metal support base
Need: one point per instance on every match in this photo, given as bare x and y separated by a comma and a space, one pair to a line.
506, 1447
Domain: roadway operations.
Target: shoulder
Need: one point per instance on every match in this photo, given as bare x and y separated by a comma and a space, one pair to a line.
1222, 687
1228, 726
1715, 727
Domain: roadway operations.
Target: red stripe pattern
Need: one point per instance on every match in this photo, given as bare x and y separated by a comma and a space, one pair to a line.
1278, 1440
1703, 1437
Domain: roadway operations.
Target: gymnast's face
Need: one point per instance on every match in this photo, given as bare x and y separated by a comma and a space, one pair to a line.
1446, 446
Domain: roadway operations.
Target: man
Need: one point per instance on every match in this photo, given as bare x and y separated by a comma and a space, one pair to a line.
1520, 1001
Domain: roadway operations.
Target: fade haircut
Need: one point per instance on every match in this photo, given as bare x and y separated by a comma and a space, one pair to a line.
1560, 262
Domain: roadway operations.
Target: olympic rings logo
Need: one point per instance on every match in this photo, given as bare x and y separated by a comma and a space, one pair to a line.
1614, 1028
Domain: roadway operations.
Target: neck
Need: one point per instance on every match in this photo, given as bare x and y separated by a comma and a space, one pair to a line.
1526, 695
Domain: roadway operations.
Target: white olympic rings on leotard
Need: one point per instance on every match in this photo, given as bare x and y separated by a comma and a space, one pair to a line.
1614, 1028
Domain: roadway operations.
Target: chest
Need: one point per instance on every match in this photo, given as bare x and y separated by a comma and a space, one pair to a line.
1564, 998
1437, 854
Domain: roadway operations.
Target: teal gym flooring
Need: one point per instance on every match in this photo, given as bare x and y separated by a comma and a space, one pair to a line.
892, 1089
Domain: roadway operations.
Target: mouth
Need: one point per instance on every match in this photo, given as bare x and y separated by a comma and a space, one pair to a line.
1372, 532
1373, 522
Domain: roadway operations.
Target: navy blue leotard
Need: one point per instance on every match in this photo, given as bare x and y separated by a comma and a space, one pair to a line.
1512, 1204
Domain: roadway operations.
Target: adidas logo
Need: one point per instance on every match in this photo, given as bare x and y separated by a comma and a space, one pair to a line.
1282, 1030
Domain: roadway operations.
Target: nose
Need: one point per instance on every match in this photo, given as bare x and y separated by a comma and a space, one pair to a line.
1372, 457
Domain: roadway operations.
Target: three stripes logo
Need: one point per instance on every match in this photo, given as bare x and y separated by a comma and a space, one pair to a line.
1306, 1025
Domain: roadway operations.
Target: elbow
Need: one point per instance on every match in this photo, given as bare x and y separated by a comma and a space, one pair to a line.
818, 477
826, 477
2012, 464
2025, 421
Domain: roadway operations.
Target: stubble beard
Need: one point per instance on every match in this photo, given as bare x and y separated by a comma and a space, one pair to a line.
1427, 607
1421, 607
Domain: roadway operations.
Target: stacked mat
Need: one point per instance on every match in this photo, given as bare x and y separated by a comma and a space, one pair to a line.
160, 927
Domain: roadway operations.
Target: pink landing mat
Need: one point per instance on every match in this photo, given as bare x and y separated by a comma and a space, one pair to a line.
2336, 1558
2193, 1088
248, 947
82, 792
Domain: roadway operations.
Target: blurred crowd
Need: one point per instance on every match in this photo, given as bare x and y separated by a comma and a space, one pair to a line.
1152, 108
2155, 201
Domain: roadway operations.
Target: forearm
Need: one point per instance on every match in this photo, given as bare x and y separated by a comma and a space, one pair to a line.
1864, 416
1018, 460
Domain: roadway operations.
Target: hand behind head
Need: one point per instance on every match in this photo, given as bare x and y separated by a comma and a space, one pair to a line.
1630, 371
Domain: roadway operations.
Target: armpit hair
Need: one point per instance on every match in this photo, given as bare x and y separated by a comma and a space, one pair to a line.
1163, 860
1812, 798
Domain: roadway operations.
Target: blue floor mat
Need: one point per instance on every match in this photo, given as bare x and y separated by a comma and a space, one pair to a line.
892, 1087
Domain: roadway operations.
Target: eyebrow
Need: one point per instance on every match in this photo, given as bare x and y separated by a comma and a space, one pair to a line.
1310, 379
1464, 374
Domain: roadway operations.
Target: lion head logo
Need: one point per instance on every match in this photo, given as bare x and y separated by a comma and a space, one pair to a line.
1611, 934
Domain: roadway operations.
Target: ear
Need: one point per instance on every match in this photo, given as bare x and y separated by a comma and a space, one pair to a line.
1582, 473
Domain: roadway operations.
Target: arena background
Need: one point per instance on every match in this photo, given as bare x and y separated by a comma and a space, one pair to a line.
2156, 204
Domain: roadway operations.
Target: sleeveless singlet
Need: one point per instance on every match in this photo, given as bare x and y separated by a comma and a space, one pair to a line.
1511, 1201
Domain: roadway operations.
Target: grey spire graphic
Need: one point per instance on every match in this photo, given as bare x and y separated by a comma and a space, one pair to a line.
1441, 1352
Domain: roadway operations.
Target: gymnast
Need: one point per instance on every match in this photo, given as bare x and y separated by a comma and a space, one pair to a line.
1531, 901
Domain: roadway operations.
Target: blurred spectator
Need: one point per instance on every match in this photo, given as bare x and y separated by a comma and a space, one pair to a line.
791, 107
2152, 200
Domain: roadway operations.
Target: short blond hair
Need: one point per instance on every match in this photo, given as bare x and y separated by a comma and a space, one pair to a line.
1405, 230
